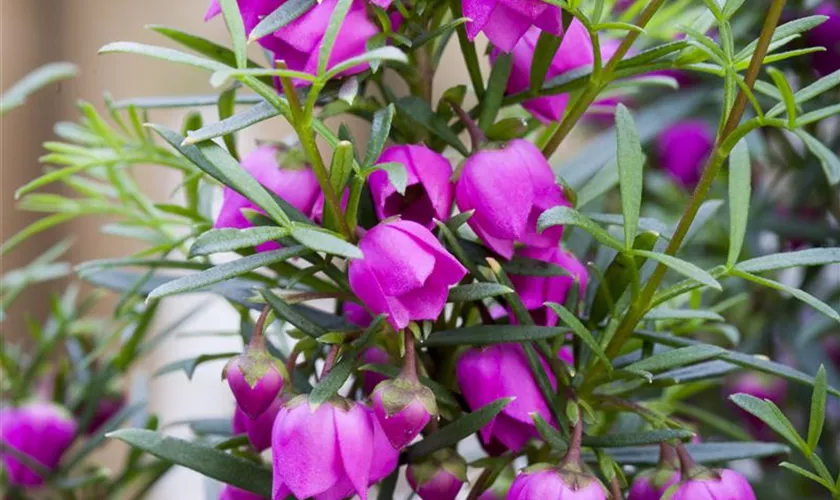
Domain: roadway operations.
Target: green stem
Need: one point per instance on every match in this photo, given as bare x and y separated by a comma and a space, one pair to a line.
596, 84
468, 49
637, 311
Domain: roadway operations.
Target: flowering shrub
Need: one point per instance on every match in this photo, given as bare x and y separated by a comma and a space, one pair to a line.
504, 318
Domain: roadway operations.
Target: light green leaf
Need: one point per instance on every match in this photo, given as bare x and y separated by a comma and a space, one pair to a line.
544, 52
282, 16
676, 358
817, 115
34, 81
321, 240
496, 85
339, 13
203, 46
704, 453
388, 53
341, 167
786, 32
624, 440
477, 291
568, 216
806, 473
585, 335
787, 94
799, 294
189, 365
244, 119
380, 128
817, 88
662, 313
631, 163
227, 240
397, 174
828, 159
222, 77
685, 268
222, 272
817, 419
162, 53
769, 413
236, 28
289, 313
740, 177
213, 463
492, 334
417, 110
807, 257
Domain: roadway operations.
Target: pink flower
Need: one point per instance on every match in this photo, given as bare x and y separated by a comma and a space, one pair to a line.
502, 371
232, 493
403, 407
504, 22
509, 189
537, 290
575, 51
684, 149
356, 314
551, 483
428, 194
40, 430
440, 477
258, 429
328, 452
405, 272
826, 35
297, 186
725, 484
254, 380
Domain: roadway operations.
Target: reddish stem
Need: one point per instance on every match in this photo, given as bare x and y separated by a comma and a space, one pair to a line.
330, 361
258, 339
687, 464
667, 454
573, 453
291, 364
409, 368
615, 489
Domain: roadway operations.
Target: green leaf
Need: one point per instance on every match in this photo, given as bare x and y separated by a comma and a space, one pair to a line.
787, 94
523, 266
227, 107
341, 167
222, 272
704, 453
492, 334
162, 53
443, 30
239, 472
34, 81
786, 31
598, 185
379, 55
397, 174
417, 110
570, 217
282, 16
453, 433
817, 419
477, 291
817, 88
336, 378
636, 438
244, 119
549, 434
799, 294
806, 473
740, 176
236, 28
190, 364
631, 162
339, 13
662, 313
731, 7
685, 268
221, 78
769, 413
585, 335
546, 48
817, 115
828, 159
202, 46
442, 393
676, 358
226, 240
292, 315
321, 240
380, 128
774, 262
496, 86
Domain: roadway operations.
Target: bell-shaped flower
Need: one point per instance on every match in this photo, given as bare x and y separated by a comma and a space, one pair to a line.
537, 290
439, 477
403, 407
544, 482
509, 188
40, 430
254, 379
504, 22
405, 273
429, 191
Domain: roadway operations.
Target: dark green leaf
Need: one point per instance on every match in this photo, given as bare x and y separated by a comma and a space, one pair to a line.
631, 162
585, 335
799, 294
336, 378
636, 438
817, 418
189, 365
704, 453
397, 174
228, 270
288, 313
492, 334
380, 128
828, 159
558, 216
282, 16
477, 291
260, 112
203, 46
453, 433
322, 240
339, 13
496, 86
821, 86
740, 175
549, 434
523, 266
662, 313
677, 358
226, 240
683, 267
544, 52
774, 262
217, 464
770, 414
417, 110
341, 166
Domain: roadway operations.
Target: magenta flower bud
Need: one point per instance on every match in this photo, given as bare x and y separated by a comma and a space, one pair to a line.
826, 35
502, 371
428, 194
544, 482
684, 149
509, 188
406, 273
403, 407
257, 429
41, 430
299, 42
254, 379
370, 379
504, 22
109, 405
327, 452
232, 493
440, 477
652, 484
537, 290
239, 422
356, 314
298, 186
575, 51
725, 484
761, 386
